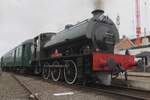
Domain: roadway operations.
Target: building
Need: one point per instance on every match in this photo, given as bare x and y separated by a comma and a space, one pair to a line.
124, 44
142, 51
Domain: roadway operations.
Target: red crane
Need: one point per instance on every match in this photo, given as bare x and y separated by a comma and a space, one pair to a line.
138, 26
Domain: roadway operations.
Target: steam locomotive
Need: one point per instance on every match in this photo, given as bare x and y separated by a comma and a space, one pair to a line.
80, 53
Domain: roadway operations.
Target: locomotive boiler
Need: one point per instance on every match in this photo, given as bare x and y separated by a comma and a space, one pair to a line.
98, 34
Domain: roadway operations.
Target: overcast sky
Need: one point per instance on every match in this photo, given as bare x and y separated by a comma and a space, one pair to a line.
24, 19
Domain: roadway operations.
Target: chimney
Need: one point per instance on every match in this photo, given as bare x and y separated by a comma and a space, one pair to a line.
97, 12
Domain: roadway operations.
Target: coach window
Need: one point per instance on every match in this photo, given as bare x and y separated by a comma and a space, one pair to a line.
18, 52
37, 42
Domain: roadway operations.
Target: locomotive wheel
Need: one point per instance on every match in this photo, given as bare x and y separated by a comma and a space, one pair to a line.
70, 72
55, 72
46, 72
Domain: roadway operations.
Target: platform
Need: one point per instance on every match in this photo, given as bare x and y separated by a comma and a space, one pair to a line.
139, 74
135, 79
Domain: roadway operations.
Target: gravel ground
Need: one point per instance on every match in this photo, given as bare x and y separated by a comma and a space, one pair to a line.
10, 89
50, 91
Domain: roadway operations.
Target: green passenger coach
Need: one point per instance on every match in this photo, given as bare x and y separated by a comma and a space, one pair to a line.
19, 57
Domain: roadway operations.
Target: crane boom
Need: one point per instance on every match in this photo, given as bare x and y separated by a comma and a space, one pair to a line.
138, 26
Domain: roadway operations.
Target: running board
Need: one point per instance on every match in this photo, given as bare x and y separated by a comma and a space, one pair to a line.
56, 66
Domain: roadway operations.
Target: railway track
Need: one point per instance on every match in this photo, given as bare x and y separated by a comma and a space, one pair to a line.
33, 96
10, 89
117, 91
123, 92
126, 92
120, 91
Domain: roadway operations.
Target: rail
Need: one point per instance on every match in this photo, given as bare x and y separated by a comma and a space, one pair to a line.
25, 87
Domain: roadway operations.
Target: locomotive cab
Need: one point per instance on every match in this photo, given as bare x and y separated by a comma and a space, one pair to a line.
38, 43
38, 53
